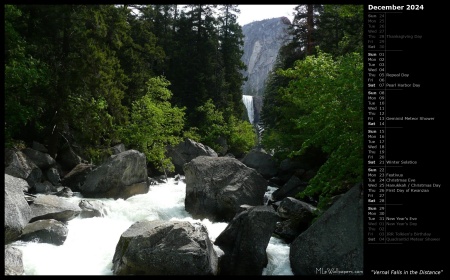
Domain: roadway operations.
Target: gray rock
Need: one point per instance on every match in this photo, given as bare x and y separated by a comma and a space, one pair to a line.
294, 208
45, 231
13, 261
52, 175
334, 240
288, 167
92, 208
288, 230
186, 151
217, 186
297, 217
53, 207
290, 189
44, 187
165, 248
262, 162
42, 160
18, 183
17, 210
77, 176
39, 147
17, 164
121, 176
117, 149
244, 241
257, 104
68, 158
64, 192
262, 41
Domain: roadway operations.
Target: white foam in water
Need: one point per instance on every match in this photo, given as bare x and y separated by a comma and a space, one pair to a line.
278, 255
88, 249
91, 242
268, 194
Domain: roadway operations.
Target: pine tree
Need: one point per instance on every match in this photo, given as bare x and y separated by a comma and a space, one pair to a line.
231, 38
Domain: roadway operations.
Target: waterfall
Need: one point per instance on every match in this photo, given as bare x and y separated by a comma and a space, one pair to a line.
248, 102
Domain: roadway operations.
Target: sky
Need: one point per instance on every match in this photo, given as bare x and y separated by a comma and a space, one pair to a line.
250, 13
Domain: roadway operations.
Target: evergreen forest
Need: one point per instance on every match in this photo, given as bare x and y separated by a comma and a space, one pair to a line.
148, 76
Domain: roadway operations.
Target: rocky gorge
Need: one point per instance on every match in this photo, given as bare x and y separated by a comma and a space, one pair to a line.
252, 200
214, 215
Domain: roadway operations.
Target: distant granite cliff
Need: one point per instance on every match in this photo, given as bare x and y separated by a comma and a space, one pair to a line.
262, 40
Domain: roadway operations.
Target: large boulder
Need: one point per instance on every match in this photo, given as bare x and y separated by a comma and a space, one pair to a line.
17, 210
18, 183
13, 261
68, 158
53, 207
42, 160
45, 187
262, 162
77, 176
165, 248
290, 189
297, 215
288, 167
293, 208
334, 240
117, 149
304, 166
45, 231
217, 186
120, 176
244, 241
186, 151
17, 164
39, 147
53, 176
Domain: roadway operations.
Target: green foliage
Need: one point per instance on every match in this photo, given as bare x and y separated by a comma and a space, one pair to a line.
323, 107
239, 134
317, 102
80, 70
141, 55
337, 30
208, 41
231, 38
154, 124
90, 92
340, 29
212, 125
25, 76
242, 137
63, 74
97, 155
192, 133
95, 123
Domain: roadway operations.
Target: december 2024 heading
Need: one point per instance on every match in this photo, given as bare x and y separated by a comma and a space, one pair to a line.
395, 8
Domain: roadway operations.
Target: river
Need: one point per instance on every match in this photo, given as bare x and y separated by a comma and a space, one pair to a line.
91, 242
